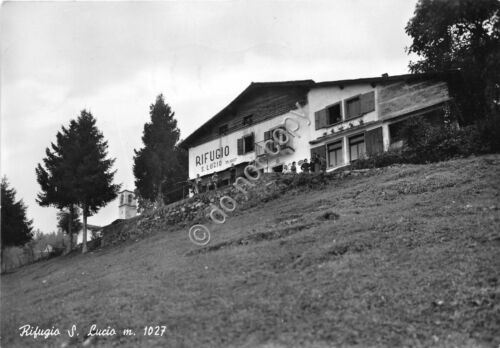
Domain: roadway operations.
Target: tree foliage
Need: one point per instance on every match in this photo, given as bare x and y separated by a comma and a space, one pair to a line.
68, 222
15, 227
160, 165
77, 171
55, 175
465, 35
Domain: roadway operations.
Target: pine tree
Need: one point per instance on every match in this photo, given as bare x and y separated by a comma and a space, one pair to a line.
160, 165
56, 175
77, 170
15, 227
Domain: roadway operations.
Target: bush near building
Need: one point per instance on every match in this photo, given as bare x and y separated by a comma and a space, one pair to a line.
426, 143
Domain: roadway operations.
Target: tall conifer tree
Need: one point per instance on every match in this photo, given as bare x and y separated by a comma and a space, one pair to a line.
15, 227
160, 165
77, 170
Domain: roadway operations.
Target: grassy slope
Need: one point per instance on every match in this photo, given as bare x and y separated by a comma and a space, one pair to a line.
412, 259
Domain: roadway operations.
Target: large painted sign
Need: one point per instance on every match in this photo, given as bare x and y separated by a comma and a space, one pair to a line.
212, 159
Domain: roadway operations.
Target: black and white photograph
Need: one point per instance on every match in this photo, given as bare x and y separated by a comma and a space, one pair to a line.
255, 174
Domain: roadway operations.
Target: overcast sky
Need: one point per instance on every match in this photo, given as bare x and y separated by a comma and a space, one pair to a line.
114, 58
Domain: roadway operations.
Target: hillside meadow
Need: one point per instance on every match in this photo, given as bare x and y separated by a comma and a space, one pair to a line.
407, 255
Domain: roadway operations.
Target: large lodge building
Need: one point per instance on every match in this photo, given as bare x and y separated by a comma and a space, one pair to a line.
340, 121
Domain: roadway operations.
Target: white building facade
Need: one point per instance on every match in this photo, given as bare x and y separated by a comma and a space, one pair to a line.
340, 121
219, 154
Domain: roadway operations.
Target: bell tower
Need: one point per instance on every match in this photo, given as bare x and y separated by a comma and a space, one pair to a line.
127, 206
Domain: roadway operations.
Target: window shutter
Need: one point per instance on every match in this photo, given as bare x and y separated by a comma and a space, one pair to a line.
353, 108
348, 110
252, 142
240, 146
367, 102
374, 141
316, 119
320, 118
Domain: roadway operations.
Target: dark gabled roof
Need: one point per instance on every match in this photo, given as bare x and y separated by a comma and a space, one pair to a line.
253, 86
387, 78
311, 84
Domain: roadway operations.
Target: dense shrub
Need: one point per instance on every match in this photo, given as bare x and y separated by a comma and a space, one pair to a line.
425, 143
299, 180
381, 160
488, 134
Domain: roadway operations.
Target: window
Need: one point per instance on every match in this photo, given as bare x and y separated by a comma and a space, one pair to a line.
223, 130
248, 120
281, 135
328, 116
356, 147
360, 105
353, 107
246, 144
278, 169
335, 154
130, 199
333, 114
319, 151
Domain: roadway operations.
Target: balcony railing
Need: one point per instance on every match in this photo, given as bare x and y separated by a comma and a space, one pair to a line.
274, 149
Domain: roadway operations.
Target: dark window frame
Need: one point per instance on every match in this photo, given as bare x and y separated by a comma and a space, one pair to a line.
245, 137
248, 120
223, 129
341, 142
356, 143
341, 114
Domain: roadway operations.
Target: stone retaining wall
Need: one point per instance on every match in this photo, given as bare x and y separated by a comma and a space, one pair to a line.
197, 209
190, 211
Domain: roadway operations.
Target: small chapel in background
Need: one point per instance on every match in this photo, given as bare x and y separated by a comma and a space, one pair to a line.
127, 207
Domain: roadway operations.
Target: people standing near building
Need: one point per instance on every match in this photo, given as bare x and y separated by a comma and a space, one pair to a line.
317, 164
215, 180
293, 168
285, 169
190, 185
197, 183
209, 184
313, 160
232, 174
314, 163
305, 166
322, 164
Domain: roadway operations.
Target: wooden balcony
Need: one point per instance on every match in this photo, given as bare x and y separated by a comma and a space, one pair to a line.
275, 149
